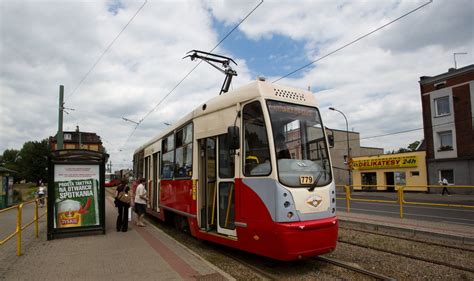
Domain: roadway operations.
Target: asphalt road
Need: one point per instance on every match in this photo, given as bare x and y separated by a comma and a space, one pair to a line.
463, 216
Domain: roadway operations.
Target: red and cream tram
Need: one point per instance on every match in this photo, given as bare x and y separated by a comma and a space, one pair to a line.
248, 169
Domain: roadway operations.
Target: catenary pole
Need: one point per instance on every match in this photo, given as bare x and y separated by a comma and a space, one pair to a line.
59, 137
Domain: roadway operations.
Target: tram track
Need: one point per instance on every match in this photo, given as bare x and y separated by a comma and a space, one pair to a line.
459, 267
354, 268
467, 249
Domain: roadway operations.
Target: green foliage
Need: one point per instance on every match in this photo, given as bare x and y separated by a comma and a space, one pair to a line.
30, 162
9, 159
411, 147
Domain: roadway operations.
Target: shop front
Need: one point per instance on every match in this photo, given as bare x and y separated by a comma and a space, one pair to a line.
386, 172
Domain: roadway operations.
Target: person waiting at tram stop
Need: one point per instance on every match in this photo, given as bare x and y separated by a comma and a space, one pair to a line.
281, 148
141, 200
122, 206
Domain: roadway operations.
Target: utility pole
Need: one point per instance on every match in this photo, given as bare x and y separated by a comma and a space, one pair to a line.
59, 136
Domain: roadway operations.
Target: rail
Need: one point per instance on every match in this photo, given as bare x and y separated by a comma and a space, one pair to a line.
400, 189
19, 226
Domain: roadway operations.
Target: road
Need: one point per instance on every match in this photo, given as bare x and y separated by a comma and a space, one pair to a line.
463, 216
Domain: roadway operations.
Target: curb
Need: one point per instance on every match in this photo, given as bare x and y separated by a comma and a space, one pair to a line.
444, 237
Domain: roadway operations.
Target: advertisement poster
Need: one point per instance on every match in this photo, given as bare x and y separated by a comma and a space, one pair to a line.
76, 190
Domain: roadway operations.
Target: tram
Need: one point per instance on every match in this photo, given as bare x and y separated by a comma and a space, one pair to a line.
249, 169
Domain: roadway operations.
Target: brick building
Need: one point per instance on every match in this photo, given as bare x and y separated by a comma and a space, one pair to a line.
79, 140
447, 102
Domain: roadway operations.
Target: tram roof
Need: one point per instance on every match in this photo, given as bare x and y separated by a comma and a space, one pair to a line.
243, 94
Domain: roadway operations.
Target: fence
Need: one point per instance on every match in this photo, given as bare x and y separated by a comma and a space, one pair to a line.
19, 226
400, 197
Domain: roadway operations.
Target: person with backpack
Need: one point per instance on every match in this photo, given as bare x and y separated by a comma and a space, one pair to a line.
122, 202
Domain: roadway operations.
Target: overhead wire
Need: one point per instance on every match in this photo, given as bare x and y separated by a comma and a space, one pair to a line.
353, 41
186, 76
404, 131
105, 51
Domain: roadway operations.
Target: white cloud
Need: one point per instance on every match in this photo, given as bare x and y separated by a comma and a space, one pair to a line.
375, 81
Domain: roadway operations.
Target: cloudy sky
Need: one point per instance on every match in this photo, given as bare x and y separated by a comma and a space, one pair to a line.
49, 43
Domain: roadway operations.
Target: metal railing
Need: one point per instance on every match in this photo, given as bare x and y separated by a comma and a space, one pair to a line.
19, 226
400, 200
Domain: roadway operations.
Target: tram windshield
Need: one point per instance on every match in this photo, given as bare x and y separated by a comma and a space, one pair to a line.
300, 145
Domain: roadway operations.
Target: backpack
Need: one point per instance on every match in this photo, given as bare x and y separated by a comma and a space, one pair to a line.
124, 197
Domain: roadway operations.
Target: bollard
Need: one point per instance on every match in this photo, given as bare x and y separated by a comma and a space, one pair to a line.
18, 230
400, 200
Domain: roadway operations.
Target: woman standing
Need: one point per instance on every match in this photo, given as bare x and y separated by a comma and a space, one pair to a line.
122, 206
140, 202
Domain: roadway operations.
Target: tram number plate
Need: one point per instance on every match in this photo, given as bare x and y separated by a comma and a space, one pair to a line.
306, 179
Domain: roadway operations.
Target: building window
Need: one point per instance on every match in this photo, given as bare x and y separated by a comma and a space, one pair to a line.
67, 137
445, 140
369, 179
400, 178
415, 173
442, 106
448, 175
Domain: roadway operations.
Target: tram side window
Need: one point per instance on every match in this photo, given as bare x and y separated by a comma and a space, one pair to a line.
226, 159
256, 148
167, 164
184, 152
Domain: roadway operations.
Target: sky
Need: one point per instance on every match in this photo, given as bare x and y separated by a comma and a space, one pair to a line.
374, 81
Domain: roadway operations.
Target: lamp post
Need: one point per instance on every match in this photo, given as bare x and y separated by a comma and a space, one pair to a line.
348, 146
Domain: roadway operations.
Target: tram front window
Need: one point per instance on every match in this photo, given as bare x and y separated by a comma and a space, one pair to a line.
300, 145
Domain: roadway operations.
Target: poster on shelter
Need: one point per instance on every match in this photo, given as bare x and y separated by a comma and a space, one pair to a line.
76, 190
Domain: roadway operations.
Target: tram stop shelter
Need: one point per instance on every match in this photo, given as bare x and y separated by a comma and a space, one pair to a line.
6, 187
385, 172
76, 193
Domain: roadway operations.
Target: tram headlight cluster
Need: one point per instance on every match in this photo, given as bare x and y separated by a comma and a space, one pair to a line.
289, 215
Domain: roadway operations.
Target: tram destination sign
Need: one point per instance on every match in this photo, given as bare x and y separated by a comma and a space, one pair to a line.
385, 163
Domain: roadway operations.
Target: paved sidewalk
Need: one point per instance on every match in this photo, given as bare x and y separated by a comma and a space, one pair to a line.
139, 254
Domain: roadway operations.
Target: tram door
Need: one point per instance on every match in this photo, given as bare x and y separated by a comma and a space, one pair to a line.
156, 182
217, 179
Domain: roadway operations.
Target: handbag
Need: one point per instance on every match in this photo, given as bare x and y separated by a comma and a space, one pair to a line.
124, 197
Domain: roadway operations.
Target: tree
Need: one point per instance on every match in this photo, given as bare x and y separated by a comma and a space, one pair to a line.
10, 159
414, 145
411, 147
33, 161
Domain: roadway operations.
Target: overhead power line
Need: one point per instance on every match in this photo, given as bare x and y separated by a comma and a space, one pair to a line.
353, 41
404, 131
105, 51
187, 75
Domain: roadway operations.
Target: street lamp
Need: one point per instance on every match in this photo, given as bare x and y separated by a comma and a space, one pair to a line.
348, 146
131, 121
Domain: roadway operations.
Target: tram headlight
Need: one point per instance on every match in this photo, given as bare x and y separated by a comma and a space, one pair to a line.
286, 204
289, 215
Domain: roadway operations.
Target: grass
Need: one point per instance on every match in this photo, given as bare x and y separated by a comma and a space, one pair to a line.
26, 191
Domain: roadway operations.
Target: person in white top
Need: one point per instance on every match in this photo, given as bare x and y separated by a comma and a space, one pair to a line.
444, 183
41, 194
140, 202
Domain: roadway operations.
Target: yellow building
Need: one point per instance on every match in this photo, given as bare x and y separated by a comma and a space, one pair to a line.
385, 172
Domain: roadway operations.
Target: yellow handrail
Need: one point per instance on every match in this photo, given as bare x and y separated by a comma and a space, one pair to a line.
401, 196
19, 227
